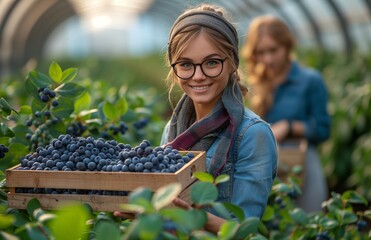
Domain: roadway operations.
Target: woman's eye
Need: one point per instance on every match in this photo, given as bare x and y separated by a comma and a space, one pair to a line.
185, 64
211, 63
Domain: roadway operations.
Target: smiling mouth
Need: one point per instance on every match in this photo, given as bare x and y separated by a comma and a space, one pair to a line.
200, 87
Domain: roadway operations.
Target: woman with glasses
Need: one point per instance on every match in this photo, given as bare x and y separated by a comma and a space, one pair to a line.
290, 97
211, 117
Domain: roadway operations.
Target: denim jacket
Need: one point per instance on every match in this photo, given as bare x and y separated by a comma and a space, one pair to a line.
252, 165
303, 97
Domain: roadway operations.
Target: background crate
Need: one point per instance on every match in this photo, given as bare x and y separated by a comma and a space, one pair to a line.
292, 153
110, 181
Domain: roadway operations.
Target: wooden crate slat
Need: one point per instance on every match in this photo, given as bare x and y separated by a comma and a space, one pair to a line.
53, 201
118, 181
97, 202
111, 181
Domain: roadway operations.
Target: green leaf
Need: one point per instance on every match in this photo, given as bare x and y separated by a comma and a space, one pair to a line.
82, 103
133, 208
70, 90
281, 187
68, 75
21, 217
6, 221
328, 223
5, 107
299, 216
203, 193
121, 106
55, 72
109, 111
145, 227
32, 205
64, 109
235, 210
247, 227
262, 229
70, 223
150, 226
5, 131
187, 220
107, 230
35, 80
204, 177
37, 213
34, 232
46, 217
221, 210
25, 109
165, 195
345, 217
268, 213
228, 230
37, 105
367, 214
140, 193
221, 178
203, 235
351, 196
8, 236
197, 219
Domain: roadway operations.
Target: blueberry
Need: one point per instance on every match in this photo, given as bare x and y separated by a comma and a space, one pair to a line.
89, 146
173, 168
50, 163
190, 155
44, 97
148, 165
139, 167
28, 136
29, 123
92, 166
81, 166
70, 165
361, 225
278, 200
60, 165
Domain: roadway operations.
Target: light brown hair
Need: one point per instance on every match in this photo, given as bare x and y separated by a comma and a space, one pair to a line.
182, 40
262, 96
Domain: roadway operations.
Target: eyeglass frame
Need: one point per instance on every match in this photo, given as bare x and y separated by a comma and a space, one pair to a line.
199, 64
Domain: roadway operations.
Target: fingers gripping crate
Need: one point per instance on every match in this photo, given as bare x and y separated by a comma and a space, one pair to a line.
97, 180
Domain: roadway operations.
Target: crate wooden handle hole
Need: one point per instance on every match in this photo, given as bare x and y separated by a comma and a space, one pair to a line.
193, 170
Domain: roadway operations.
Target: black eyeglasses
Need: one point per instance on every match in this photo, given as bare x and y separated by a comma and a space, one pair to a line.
212, 67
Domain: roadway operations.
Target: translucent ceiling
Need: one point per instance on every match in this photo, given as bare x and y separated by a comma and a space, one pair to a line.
48, 28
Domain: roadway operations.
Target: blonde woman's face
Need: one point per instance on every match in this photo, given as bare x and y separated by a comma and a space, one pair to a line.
205, 91
271, 54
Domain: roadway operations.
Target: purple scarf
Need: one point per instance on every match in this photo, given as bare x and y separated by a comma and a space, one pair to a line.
222, 122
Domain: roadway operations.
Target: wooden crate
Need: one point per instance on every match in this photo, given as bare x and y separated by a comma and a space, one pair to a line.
111, 181
291, 153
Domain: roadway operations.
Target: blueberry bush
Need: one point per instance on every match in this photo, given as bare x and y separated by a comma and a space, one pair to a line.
61, 125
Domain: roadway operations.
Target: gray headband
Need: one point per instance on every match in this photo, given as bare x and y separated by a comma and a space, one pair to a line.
210, 20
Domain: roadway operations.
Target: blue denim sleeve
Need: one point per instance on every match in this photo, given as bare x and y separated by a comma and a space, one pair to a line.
317, 127
255, 169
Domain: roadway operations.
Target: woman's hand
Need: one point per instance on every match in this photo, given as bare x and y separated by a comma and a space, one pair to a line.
125, 215
281, 130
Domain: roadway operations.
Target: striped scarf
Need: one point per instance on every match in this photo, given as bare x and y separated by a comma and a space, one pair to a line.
221, 122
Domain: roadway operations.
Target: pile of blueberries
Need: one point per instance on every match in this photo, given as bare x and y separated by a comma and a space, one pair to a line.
3, 149
68, 153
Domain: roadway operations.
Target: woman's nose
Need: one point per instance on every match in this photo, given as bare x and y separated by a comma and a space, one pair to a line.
199, 75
